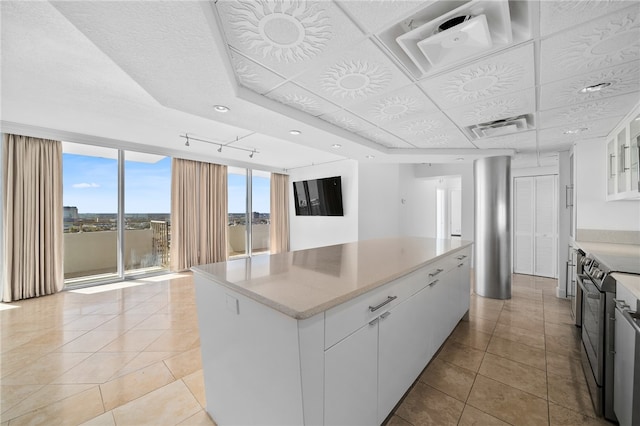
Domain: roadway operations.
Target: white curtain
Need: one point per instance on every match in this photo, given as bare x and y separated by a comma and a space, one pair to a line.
33, 229
279, 229
198, 213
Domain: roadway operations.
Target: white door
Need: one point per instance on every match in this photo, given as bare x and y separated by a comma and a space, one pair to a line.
523, 225
535, 225
546, 234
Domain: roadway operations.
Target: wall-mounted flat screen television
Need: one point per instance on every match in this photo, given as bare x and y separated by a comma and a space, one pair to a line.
318, 197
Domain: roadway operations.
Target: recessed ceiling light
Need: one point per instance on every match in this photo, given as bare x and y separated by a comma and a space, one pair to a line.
336, 145
575, 131
220, 108
370, 157
594, 88
295, 132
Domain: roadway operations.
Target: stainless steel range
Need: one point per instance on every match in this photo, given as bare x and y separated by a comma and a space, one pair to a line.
598, 316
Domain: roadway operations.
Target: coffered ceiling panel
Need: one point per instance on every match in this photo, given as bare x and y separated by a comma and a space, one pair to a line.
297, 97
373, 15
506, 72
611, 40
588, 111
353, 76
577, 131
395, 106
286, 36
348, 121
451, 138
501, 107
385, 139
432, 130
556, 15
253, 76
614, 81
525, 141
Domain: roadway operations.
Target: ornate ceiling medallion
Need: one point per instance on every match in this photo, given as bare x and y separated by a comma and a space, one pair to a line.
481, 82
246, 75
440, 139
395, 108
493, 110
347, 123
305, 103
287, 30
422, 127
611, 43
355, 79
588, 112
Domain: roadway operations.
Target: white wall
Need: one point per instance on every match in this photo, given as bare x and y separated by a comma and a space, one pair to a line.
593, 211
316, 231
379, 201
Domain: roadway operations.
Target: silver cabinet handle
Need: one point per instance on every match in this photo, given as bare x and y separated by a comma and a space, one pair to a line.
373, 322
624, 158
612, 162
386, 314
389, 299
461, 257
462, 264
433, 274
432, 284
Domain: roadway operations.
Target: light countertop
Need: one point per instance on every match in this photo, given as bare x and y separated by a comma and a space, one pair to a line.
630, 282
303, 283
609, 248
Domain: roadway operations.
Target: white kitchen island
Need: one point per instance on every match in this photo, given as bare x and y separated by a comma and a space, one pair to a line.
332, 335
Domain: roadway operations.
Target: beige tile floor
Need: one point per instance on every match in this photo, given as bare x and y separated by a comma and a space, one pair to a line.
130, 356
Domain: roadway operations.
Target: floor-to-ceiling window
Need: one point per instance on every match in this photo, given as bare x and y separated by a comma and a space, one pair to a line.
249, 211
116, 213
147, 212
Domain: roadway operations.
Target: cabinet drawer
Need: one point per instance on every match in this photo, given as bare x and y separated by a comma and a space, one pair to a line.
346, 318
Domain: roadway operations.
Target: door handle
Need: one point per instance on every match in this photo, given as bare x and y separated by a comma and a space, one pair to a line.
432, 284
433, 274
386, 314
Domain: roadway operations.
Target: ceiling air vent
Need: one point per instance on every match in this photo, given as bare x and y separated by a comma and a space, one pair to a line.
500, 127
468, 30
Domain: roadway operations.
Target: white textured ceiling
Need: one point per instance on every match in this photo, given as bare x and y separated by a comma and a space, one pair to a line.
146, 72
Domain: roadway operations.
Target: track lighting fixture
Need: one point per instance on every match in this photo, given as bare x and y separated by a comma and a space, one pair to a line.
187, 142
220, 149
251, 151
251, 155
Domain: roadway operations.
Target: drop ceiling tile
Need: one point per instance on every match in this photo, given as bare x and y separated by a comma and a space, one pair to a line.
385, 139
347, 121
286, 37
617, 107
506, 72
623, 78
353, 76
611, 40
433, 130
375, 14
506, 106
589, 129
559, 15
396, 106
297, 97
253, 76
525, 141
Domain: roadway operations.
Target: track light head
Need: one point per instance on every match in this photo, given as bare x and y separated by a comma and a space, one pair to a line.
187, 142
251, 155
220, 149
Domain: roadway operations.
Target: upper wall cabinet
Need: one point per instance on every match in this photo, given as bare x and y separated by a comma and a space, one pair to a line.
623, 159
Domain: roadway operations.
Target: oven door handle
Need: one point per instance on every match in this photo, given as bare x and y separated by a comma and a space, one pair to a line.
585, 291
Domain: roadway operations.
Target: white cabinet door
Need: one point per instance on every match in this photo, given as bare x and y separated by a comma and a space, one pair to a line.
351, 379
404, 348
624, 365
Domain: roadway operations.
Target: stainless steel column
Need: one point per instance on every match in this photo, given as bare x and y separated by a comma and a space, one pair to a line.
492, 243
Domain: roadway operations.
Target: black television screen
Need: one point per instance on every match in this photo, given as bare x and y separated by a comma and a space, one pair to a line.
318, 197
